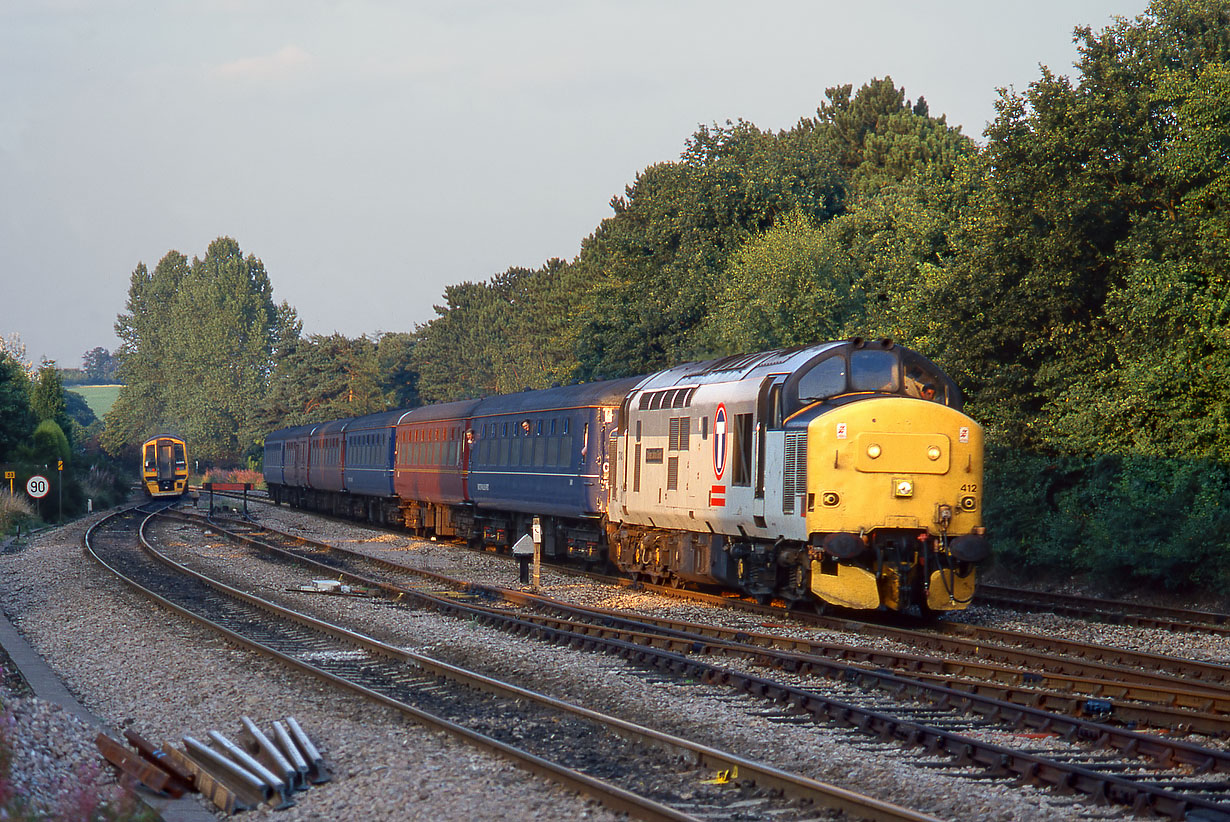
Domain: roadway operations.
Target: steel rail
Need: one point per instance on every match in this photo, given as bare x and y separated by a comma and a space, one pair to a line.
613, 796
1127, 742
1117, 610
1033, 652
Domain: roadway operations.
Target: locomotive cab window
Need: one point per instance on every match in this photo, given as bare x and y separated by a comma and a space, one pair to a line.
872, 370
825, 379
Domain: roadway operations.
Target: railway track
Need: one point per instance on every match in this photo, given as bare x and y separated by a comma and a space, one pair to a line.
648, 774
1050, 655
1105, 610
675, 648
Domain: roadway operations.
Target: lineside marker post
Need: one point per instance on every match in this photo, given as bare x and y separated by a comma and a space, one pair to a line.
537, 552
523, 549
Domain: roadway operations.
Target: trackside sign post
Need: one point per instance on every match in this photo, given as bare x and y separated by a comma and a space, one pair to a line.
37, 487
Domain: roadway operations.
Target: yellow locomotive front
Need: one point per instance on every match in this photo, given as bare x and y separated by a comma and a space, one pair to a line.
164, 466
894, 478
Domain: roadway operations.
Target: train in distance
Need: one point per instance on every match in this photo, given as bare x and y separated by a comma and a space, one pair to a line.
164, 466
841, 473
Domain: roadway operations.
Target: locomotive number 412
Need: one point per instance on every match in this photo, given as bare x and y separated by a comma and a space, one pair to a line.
970, 487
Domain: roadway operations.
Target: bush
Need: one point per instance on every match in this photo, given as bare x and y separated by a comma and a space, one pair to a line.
235, 475
14, 510
50, 443
1121, 521
102, 485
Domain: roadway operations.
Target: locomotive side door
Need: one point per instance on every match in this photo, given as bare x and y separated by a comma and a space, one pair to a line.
768, 418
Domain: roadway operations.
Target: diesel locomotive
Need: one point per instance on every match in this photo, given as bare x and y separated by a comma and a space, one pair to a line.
164, 466
840, 473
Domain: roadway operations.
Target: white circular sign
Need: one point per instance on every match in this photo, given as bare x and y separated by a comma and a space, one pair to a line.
37, 486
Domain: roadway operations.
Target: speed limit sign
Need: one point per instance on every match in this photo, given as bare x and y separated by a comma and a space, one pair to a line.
37, 486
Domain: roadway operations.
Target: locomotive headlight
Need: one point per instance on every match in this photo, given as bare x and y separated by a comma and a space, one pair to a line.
873, 451
903, 488
933, 453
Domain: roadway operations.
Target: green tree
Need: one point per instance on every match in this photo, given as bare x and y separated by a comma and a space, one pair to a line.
49, 444
145, 358
322, 378
199, 345
16, 419
395, 364
788, 286
513, 332
47, 396
98, 366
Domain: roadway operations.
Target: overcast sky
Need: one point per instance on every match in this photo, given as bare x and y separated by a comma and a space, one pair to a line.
372, 152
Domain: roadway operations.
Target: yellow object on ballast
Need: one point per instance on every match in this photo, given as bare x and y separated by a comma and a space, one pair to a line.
723, 777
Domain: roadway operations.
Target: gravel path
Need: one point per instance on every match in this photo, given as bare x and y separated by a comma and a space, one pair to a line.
138, 666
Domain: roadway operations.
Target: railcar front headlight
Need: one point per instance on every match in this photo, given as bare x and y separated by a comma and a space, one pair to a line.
933, 453
873, 451
903, 488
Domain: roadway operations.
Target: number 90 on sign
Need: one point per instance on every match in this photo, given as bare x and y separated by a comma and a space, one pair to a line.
37, 486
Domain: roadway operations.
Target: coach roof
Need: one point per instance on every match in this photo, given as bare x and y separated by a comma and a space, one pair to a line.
585, 395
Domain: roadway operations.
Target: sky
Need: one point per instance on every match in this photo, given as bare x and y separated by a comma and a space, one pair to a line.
372, 152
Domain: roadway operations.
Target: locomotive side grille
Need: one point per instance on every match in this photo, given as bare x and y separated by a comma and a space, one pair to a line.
794, 473
672, 474
674, 435
636, 471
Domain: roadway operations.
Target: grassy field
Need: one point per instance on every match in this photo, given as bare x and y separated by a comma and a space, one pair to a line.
100, 398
